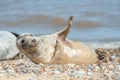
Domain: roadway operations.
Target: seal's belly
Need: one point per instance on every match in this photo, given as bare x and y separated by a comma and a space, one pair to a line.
79, 54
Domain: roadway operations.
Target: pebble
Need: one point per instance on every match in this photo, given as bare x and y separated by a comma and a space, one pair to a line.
90, 73
24, 70
118, 66
118, 78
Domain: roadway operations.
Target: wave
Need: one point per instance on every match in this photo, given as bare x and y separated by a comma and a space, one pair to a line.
103, 45
48, 20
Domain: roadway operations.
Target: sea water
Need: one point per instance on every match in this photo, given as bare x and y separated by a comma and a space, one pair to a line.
96, 22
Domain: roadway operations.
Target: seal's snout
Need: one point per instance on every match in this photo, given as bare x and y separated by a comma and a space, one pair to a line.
34, 40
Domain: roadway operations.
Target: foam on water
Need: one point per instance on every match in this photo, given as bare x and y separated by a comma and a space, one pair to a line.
103, 45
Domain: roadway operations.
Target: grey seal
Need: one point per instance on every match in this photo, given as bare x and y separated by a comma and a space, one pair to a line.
8, 48
55, 48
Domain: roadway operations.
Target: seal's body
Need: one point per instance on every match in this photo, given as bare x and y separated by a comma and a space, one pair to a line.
55, 48
8, 49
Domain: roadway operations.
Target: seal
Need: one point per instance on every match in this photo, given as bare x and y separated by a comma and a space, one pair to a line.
55, 48
8, 48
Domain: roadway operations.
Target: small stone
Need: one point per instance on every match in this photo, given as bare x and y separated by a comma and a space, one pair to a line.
118, 66
56, 72
24, 70
90, 73
32, 79
118, 78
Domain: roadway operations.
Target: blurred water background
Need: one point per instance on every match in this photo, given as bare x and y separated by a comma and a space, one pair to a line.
95, 21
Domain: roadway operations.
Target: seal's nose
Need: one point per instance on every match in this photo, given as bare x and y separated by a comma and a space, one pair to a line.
34, 40
22, 41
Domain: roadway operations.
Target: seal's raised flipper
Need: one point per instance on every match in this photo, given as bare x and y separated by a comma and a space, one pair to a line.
62, 34
15, 34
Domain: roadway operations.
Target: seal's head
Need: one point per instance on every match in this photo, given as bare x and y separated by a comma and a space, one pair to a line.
26, 42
